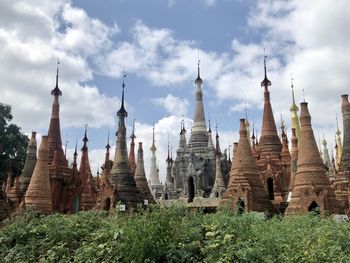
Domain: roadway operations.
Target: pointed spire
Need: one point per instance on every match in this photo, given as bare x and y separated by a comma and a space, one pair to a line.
198, 79
85, 139
122, 110
266, 82
56, 91
209, 129
153, 147
294, 113
168, 159
132, 161
75, 155
107, 161
218, 150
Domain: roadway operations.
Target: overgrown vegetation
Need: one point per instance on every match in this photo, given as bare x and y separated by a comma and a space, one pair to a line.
173, 235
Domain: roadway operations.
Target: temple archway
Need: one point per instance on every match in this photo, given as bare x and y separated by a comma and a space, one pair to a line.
107, 204
314, 207
240, 206
190, 187
270, 188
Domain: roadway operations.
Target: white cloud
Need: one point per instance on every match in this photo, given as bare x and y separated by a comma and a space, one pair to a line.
173, 105
32, 36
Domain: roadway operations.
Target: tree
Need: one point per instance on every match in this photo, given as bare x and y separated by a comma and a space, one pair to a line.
13, 144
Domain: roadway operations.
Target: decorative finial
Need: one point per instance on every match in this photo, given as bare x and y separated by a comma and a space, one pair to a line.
266, 82
253, 135
198, 79
107, 145
303, 95
133, 136
65, 146
122, 110
56, 91
209, 130
85, 139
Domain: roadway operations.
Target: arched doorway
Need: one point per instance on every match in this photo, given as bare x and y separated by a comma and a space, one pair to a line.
314, 207
240, 206
190, 187
270, 188
107, 204
166, 196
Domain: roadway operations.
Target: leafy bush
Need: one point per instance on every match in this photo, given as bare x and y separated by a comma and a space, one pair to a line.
172, 235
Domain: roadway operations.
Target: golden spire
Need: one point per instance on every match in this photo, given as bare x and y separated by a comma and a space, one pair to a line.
294, 112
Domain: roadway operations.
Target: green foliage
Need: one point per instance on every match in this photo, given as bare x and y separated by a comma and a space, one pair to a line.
173, 235
13, 143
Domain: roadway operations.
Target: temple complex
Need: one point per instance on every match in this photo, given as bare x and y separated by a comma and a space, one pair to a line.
267, 173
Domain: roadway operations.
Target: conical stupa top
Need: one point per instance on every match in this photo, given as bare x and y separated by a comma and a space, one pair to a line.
107, 161
56, 91
294, 113
339, 146
168, 159
266, 82
122, 110
85, 139
218, 150
29, 164
198, 79
75, 155
269, 143
132, 161
325, 154
133, 136
345, 155
54, 133
153, 147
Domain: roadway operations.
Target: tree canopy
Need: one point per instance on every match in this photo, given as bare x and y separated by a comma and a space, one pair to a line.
13, 143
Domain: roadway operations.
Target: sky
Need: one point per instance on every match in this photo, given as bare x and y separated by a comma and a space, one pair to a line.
158, 43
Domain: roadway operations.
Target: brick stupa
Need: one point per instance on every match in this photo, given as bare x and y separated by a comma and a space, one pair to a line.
269, 159
140, 177
39, 190
311, 188
244, 184
132, 160
88, 195
125, 190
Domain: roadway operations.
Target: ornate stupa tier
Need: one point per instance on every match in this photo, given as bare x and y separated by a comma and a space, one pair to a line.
198, 137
